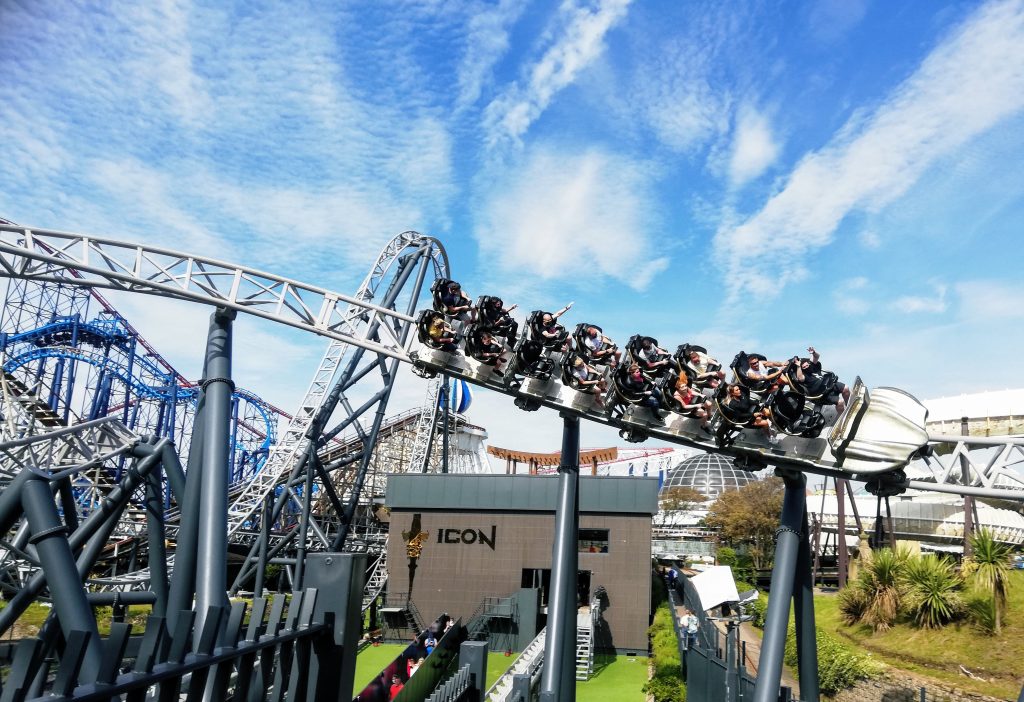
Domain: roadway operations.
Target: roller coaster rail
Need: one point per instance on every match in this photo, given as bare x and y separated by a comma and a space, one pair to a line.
873, 440
37, 254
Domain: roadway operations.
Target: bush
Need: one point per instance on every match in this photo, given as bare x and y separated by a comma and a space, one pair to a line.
882, 589
758, 609
727, 556
981, 611
666, 684
839, 666
853, 603
933, 592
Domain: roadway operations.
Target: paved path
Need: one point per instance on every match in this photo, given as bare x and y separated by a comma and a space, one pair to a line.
752, 636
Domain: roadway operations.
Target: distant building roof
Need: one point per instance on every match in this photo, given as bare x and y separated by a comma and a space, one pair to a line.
518, 493
998, 403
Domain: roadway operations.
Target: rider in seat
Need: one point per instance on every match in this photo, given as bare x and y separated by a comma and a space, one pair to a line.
636, 389
705, 372
481, 346
437, 333
544, 327
691, 402
456, 302
595, 346
752, 372
813, 382
493, 316
586, 378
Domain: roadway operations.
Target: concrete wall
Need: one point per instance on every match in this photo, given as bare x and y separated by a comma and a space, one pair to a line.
455, 577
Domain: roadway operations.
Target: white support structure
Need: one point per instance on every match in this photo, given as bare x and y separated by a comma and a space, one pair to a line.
70, 449
294, 439
377, 580
425, 428
38, 254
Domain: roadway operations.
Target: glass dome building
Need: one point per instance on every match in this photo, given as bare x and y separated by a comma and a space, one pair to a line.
709, 474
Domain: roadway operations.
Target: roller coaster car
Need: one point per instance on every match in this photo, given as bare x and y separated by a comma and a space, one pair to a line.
790, 413
682, 359
819, 389
529, 360
741, 364
879, 431
646, 358
535, 323
728, 420
579, 338
424, 322
493, 317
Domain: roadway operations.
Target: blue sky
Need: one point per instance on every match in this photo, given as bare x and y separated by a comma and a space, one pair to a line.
747, 175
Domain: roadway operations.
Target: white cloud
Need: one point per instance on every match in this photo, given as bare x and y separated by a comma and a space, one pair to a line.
672, 90
754, 148
964, 87
486, 42
586, 216
870, 239
991, 301
510, 114
829, 20
849, 296
912, 304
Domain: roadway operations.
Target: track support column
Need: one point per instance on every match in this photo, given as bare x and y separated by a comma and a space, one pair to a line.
212, 544
787, 549
558, 681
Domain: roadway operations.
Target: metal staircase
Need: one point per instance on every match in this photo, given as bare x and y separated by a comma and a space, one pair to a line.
400, 617
584, 646
530, 662
586, 628
377, 580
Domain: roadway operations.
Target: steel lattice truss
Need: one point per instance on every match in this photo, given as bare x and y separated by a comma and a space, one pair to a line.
996, 470
362, 325
41, 255
66, 450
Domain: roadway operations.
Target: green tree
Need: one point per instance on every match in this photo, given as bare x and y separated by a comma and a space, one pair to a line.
989, 569
750, 516
680, 498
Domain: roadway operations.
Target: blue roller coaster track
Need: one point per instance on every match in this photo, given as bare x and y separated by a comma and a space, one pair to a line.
108, 346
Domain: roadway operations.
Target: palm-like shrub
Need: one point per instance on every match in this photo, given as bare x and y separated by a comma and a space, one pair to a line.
982, 612
853, 602
883, 588
932, 591
989, 569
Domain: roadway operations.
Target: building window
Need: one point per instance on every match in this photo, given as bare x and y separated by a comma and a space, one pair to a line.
593, 541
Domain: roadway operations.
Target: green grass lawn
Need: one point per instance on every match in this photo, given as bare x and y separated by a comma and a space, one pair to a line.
371, 660
617, 678
938, 654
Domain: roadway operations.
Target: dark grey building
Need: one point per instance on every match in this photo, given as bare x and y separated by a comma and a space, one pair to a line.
458, 539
